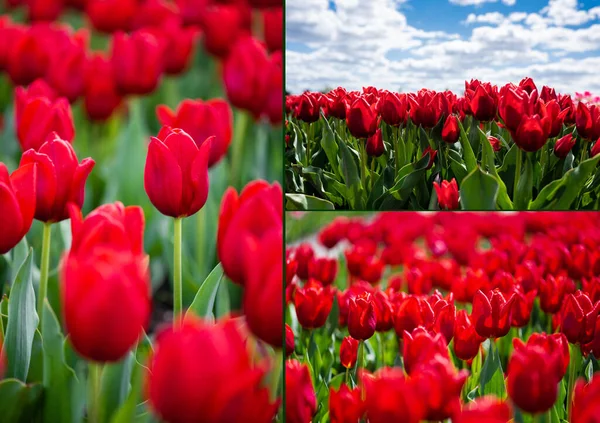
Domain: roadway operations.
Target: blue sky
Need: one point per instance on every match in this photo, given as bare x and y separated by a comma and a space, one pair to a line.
410, 44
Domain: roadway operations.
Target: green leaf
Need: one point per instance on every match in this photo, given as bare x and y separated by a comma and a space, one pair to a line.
332, 320
115, 386
20, 403
414, 173
491, 380
479, 191
468, 155
223, 300
525, 185
204, 302
351, 176
306, 202
22, 322
19, 255
489, 159
330, 146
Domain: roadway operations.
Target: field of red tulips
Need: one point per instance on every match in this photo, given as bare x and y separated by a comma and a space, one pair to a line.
515, 147
473, 317
140, 168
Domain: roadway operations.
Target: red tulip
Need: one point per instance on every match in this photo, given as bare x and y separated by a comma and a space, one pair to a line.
307, 108
375, 146
586, 401
532, 133
533, 377
111, 15
345, 405
551, 343
451, 131
578, 318
17, 202
445, 317
528, 85
38, 117
101, 97
421, 346
412, 312
273, 105
383, 311
487, 409
595, 149
492, 313
361, 317
202, 120
290, 343
176, 173
361, 119
29, 55
304, 255
393, 108
564, 145
521, 308
432, 154
250, 215
371, 269
183, 389
60, 178
556, 116
333, 233
273, 28
313, 303
514, 105
301, 400
428, 107
349, 352
222, 26
448, 195
495, 142
244, 76
38, 88
106, 283
484, 102
587, 121
552, 291
66, 67
264, 288
337, 103
323, 269
466, 339
179, 45
137, 61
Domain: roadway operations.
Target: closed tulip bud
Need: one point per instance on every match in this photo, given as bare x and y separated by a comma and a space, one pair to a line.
451, 131
448, 195
564, 145
179, 45
586, 401
383, 311
29, 56
345, 405
412, 312
595, 149
66, 68
290, 343
361, 317
532, 133
183, 389
432, 155
587, 121
244, 77
273, 28
492, 313
273, 105
445, 317
422, 346
428, 107
393, 108
487, 409
101, 97
349, 352
371, 269
112, 15
307, 108
332, 234
495, 143
552, 291
375, 146
361, 119
38, 88
38, 117
137, 60
313, 304
105, 282
176, 173
304, 255
301, 400
466, 339
202, 120
533, 377
577, 318
484, 102
60, 178
251, 214
222, 25
323, 269
17, 202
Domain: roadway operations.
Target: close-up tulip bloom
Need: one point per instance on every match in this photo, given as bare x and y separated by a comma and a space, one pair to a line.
451, 131
345, 405
491, 313
448, 195
361, 118
301, 404
313, 303
349, 352
361, 317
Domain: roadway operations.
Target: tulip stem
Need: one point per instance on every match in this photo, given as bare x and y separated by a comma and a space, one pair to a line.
347, 374
372, 173
517, 173
94, 380
396, 150
583, 151
574, 355
177, 279
44, 267
242, 120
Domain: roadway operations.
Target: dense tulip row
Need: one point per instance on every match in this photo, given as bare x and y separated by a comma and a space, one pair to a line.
377, 149
463, 316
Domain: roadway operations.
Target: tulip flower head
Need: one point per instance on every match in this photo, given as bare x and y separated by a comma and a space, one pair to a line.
448, 195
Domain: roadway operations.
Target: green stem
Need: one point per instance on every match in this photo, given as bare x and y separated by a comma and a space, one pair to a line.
94, 380
397, 151
549, 329
44, 267
200, 237
347, 374
177, 279
381, 349
583, 151
573, 364
311, 127
363, 165
242, 120
372, 173
364, 355
517, 172
542, 417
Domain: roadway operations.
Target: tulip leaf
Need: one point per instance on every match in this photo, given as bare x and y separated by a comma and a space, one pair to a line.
204, 302
20, 403
504, 202
332, 320
525, 185
408, 178
223, 300
385, 180
306, 202
58, 377
22, 322
351, 176
36, 365
469, 156
560, 194
491, 379
329, 146
115, 386
479, 191
19, 255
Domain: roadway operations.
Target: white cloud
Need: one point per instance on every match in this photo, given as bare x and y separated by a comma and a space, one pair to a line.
481, 2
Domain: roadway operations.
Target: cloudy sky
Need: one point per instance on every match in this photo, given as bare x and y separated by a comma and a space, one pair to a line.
410, 44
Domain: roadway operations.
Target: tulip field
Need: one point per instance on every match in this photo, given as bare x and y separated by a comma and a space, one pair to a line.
515, 147
141, 214
437, 316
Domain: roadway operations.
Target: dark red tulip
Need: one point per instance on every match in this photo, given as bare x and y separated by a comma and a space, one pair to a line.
448, 195
412, 312
432, 155
261, 4
176, 173
487, 409
532, 133
383, 311
222, 25
466, 339
112, 15
290, 343
333, 233
552, 291
304, 255
451, 131
521, 308
60, 178
101, 97
349, 352
301, 403
105, 282
313, 303
528, 85
595, 149
137, 61
345, 405
273, 28
551, 343
428, 107
251, 215
246, 82
361, 317
44, 10
323, 269
492, 313
66, 67
495, 143
361, 118
337, 102
586, 401
514, 105
29, 56
445, 317
578, 318
291, 265
375, 147
183, 389
564, 145
422, 346
17, 202
393, 108
556, 116
587, 121
307, 108
533, 377
202, 120
273, 105
484, 102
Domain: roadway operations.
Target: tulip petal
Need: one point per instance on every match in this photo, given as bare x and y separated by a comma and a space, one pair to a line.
199, 175
24, 181
11, 224
163, 179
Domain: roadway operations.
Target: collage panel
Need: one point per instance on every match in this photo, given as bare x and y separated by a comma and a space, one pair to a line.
442, 316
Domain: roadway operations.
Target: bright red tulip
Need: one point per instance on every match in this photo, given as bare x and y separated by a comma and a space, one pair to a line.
273, 105
313, 303
38, 88
361, 118
578, 317
345, 405
421, 346
432, 155
483, 102
375, 146
412, 312
448, 195
29, 55
587, 121
349, 352
307, 108
333, 233
521, 308
451, 131
532, 133
301, 400
179, 43
176, 173
66, 67
466, 339
273, 28
393, 108
552, 291
495, 142
551, 343
17, 202
428, 107
323, 269
290, 343
222, 26
112, 15
361, 317
487, 409
586, 401
383, 311
564, 145
304, 255
492, 313
101, 97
